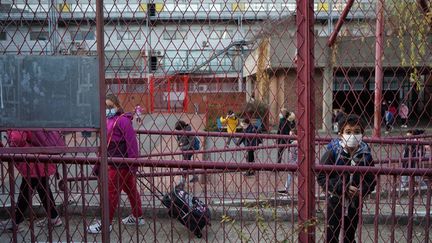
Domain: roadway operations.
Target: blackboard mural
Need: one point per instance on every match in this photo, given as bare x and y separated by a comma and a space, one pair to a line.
49, 91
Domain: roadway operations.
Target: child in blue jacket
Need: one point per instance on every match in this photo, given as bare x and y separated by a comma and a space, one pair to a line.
347, 150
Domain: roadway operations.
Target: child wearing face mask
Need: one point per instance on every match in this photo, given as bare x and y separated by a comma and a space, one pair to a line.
122, 142
345, 190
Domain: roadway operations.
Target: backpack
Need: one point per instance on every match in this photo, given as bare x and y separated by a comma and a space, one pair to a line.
196, 144
335, 149
45, 138
389, 116
259, 139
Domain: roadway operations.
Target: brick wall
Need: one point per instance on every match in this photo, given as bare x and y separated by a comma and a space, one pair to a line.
233, 101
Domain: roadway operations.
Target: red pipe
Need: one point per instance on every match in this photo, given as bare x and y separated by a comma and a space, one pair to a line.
48, 150
306, 113
379, 53
168, 93
158, 174
215, 165
152, 80
339, 23
186, 92
387, 140
100, 42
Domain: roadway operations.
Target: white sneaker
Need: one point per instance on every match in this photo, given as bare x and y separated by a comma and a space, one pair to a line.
55, 222
132, 220
96, 228
8, 225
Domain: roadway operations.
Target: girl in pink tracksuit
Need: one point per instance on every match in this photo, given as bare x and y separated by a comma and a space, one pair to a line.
122, 143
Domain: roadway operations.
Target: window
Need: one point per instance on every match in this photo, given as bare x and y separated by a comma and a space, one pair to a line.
290, 7
175, 61
349, 83
128, 35
123, 61
82, 35
3, 36
175, 35
39, 36
274, 7
215, 7
256, 7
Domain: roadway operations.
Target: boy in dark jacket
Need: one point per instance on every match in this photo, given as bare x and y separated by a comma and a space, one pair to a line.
345, 189
249, 142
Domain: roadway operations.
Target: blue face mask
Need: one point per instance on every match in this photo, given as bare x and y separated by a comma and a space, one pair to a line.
110, 112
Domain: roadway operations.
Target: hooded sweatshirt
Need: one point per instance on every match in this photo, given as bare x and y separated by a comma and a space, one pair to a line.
121, 136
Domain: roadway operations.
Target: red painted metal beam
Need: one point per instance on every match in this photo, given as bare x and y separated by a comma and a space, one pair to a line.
152, 94
222, 165
305, 113
186, 92
103, 137
379, 74
339, 23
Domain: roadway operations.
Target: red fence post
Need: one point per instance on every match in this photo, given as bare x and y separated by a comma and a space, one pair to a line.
305, 111
152, 93
379, 53
186, 88
169, 93
103, 137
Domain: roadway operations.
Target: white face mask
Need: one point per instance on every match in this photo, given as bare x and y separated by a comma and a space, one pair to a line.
280, 115
351, 140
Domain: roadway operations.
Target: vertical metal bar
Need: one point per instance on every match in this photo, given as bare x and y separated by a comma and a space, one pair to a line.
305, 111
427, 209
377, 201
379, 53
12, 196
152, 93
65, 202
83, 201
103, 138
411, 193
344, 205
327, 105
393, 210
169, 93
186, 93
